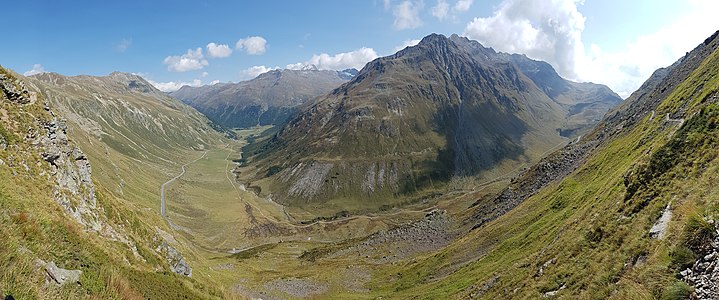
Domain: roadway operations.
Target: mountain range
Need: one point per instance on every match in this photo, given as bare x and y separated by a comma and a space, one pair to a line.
268, 99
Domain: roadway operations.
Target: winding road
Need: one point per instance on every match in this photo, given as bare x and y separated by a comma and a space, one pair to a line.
162, 187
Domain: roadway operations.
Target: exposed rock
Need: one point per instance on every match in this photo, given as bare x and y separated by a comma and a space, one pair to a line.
174, 259
61, 276
545, 266
428, 234
659, 229
310, 178
555, 292
704, 274
72, 172
14, 89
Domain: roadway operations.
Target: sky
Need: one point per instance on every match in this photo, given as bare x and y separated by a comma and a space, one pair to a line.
173, 43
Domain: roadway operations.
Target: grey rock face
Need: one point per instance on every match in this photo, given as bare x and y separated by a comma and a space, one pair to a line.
72, 172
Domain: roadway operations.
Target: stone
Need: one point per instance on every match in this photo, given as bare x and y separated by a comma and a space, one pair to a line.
659, 229
62, 276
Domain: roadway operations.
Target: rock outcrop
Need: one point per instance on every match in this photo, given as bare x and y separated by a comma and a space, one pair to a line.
59, 276
14, 89
174, 259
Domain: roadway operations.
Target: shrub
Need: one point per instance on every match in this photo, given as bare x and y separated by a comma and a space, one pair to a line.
677, 290
681, 258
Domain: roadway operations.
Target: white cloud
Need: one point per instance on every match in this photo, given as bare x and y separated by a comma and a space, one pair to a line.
214, 82
172, 86
544, 29
254, 71
192, 60
204, 74
218, 51
36, 69
440, 10
253, 45
405, 44
463, 5
123, 45
353, 59
551, 30
406, 15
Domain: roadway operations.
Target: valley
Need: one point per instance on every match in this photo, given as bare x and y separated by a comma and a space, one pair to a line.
446, 169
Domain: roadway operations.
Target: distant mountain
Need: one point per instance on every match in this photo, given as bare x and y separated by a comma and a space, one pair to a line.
409, 122
269, 98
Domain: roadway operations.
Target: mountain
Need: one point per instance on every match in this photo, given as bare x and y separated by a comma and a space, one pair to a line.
412, 121
270, 98
627, 212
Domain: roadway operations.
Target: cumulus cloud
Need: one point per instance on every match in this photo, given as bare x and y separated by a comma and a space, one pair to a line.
204, 74
405, 44
254, 71
551, 30
172, 86
192, 60
440, 10
123, 45
545, 29
218, 51
406, 15
463, 5
36, 69
340, 61
253, 45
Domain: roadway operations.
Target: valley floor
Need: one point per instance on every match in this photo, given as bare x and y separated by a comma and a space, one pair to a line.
258, 248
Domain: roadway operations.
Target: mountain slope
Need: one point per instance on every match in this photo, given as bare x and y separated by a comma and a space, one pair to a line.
63, 235
267, 99
410, 122
626, 222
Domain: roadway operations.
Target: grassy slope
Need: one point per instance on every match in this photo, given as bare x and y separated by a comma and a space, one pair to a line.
585, 225
33, 226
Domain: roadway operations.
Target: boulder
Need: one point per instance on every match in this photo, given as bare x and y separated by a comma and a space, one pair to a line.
62, 276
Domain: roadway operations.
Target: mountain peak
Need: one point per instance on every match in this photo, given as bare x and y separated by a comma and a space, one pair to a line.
309, 67
435, 39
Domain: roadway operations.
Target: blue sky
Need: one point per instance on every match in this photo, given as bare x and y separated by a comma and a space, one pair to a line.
618, 43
